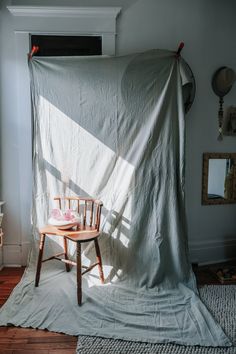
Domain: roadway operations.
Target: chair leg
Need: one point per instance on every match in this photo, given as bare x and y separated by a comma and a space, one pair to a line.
79, 275
99, 260
66, 255
40, 256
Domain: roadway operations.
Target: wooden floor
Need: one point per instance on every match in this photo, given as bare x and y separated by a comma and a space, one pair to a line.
206, 275
29, 341
34, 341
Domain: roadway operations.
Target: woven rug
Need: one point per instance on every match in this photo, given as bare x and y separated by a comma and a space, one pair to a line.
220, 300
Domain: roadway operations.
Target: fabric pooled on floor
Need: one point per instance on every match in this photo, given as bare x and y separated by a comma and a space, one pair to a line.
113, 128
219, 299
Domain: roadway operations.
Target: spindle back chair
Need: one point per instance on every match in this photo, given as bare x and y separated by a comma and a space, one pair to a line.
87, 230
90, 208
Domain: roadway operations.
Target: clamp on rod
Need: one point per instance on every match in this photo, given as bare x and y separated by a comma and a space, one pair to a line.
181, 45
33, 51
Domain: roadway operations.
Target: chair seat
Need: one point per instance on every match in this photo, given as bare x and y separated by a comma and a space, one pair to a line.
82, 234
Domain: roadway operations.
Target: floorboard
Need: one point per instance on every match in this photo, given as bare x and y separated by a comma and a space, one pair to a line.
15, 340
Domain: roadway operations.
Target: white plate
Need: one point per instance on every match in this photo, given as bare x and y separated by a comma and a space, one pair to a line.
66, 227
63, 225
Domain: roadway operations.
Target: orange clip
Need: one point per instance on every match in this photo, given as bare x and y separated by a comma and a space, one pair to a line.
34, 50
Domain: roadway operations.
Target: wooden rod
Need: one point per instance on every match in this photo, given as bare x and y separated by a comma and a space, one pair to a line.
56, 255
89, 268
40, 257
79, 275
67, 261
85, 212
91, 214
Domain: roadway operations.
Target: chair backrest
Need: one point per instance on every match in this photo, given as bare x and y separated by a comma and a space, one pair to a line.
89, 208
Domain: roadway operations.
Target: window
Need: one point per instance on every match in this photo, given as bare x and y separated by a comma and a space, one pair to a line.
55, 45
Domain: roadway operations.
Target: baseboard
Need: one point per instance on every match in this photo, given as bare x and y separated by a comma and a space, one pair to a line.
15, 255
206, 252
12, 255
217, 262
25, 249
214, 251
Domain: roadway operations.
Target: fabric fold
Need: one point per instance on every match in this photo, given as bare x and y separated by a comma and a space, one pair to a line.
113, 129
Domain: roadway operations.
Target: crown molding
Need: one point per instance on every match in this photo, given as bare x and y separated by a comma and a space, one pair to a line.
64, 11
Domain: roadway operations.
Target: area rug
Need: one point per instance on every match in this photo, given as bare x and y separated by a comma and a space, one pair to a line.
220, 300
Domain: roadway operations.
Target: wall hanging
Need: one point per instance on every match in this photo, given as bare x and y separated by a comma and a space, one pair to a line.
222, 82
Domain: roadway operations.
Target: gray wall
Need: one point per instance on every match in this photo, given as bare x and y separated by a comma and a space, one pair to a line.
208, 29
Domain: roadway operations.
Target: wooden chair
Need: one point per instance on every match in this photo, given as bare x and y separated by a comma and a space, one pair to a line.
87, 230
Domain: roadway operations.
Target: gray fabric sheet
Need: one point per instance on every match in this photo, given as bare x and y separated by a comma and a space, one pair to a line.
114, 128
220, 300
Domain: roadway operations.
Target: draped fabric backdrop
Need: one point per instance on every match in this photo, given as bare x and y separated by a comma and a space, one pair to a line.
114, 129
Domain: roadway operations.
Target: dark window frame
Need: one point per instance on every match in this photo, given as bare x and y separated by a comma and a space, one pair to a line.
66, 45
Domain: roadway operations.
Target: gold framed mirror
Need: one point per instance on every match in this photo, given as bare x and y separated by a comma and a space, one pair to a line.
219, 178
